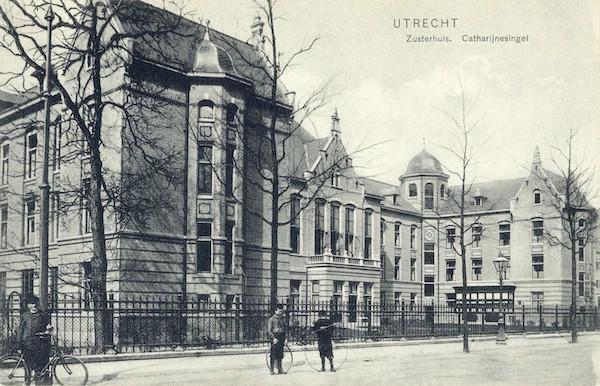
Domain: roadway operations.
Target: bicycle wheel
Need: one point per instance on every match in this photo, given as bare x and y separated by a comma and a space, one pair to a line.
287, 361
14, 370
69, 370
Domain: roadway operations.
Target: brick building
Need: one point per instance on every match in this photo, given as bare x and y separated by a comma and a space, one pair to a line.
358, 241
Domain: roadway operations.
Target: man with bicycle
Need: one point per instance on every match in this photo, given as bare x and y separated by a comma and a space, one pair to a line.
277, 330
34, 338
324, 330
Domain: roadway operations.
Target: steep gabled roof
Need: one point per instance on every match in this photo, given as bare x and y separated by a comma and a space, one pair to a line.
496, 196
175, 40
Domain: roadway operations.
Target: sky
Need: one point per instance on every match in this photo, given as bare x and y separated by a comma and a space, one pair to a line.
393, 96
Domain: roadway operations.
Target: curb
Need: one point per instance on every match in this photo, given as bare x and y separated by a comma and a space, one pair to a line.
261, 350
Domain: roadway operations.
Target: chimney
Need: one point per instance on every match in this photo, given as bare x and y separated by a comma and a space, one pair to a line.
335, 124
257, 39
537, 159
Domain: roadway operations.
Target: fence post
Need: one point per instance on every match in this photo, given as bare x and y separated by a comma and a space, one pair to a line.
556, 317
523, 319
540, 316
237, 318
403, 320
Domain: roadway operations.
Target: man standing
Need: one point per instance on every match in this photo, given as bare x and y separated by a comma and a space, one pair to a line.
277, 330
35, 346
324, 329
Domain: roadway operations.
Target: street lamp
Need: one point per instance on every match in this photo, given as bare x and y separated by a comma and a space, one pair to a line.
501, 265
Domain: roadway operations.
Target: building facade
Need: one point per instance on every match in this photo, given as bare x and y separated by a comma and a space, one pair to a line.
347, 239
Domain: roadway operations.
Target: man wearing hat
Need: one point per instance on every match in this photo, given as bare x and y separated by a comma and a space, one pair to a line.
36, 348
277, 330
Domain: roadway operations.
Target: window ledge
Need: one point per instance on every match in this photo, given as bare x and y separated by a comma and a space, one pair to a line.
205, 196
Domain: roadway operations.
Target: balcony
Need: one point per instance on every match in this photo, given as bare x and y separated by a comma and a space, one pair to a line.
328, 258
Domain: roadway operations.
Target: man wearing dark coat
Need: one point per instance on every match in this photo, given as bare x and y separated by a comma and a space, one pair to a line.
324, 329
277, 331
36, 348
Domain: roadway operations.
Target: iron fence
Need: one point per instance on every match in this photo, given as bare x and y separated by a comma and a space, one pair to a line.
136, 324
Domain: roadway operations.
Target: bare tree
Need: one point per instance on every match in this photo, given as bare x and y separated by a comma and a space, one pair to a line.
570, 192
460, 199
94, 46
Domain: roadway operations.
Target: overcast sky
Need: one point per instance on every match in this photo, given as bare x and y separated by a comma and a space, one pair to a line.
396, 92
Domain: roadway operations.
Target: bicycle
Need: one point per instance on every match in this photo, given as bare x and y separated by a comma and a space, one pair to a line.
65, 369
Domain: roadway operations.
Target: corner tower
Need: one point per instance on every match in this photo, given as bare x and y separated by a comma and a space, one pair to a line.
424, 184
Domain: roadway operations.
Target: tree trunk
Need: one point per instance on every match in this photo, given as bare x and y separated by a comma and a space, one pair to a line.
573, 308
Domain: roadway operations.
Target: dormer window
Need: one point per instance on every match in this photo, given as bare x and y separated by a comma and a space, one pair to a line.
412, 190
429, 195
478, 201
537, 196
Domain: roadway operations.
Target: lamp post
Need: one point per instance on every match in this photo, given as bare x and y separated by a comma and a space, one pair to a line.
501, 265
44, 187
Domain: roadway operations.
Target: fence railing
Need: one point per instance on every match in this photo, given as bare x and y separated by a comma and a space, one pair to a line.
155, 324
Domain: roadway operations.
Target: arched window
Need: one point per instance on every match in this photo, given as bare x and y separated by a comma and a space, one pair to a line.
412, 190
537, 196
206, 117
206, 111
443, 191
429, 195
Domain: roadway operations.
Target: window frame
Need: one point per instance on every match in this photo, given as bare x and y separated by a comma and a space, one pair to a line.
429, 253
319, 227
397, 234
31, 155
450, 237
397, 268
413, 191
295, 223
537, 266
349, 228
450, 269
476, 232
537, 231
5, 162
334, 226
202, 163
429, 196
30, 220
502, 240
368, 234
476, 269
537, 197
4, 225
413, 237
205, 239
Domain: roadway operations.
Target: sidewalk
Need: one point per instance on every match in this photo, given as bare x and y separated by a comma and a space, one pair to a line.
298, 348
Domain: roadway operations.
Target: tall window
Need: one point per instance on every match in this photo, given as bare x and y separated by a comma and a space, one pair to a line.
476, 268
367, 298
413, 237
229, 247
27, 283
85, 206
412, 190
413, 269
397, 298
429, 195
316, 289
295, 292
204, 180
231, 119
368, 233
429, 253
295, 223
319, 226
30, 220
581, 284
334, 224
581, 249
397, 234
476, 231
382, 232
537, 264
349, 230
450, 268
31, 155
429, 285
397, 273
537, 197
450, 235
337, 293
504, 234
3, 226
4, 167
86, 278
442, 191
204, 247
537, 231
229, 160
